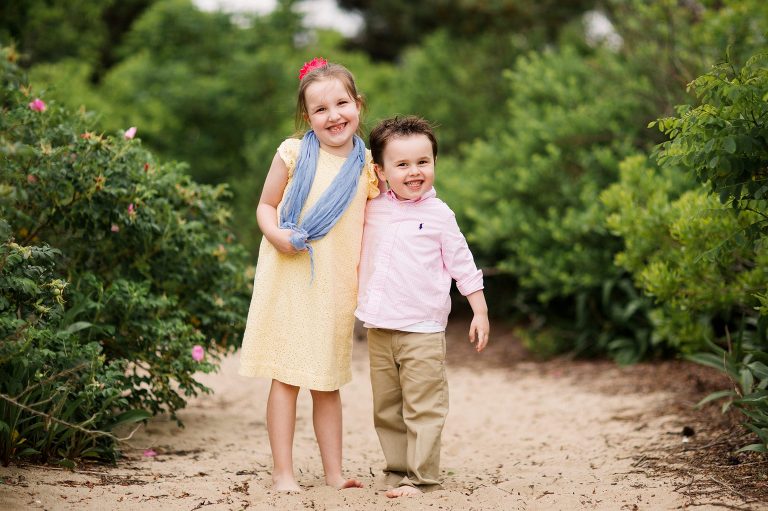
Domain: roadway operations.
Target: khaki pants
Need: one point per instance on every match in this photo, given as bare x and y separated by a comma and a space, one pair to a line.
410, 402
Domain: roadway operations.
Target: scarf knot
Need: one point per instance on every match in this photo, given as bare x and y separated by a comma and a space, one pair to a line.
298, 237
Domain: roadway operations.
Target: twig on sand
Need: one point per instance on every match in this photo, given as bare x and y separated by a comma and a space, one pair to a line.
90, 432
642, 460
707, 446
744, 464
721, 441
680, 487
718, 504
729, 487
76, 470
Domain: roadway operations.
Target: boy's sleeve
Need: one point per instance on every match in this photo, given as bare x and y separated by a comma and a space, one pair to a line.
458, 258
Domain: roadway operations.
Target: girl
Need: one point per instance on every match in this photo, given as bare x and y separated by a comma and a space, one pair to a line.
299, 328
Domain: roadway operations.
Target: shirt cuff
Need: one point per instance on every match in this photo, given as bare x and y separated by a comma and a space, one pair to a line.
471, 283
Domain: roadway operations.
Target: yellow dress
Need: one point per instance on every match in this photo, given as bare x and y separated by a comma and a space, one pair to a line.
298, 332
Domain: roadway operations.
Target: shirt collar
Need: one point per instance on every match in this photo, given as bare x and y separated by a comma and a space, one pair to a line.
429, 194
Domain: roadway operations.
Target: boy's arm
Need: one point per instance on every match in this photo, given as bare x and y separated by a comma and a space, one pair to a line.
469, 280
480, 327
457, 257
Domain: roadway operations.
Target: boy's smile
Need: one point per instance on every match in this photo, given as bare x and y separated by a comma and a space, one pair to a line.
408, 166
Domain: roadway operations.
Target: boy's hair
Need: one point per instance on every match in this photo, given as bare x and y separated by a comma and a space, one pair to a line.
399, 127
329, 70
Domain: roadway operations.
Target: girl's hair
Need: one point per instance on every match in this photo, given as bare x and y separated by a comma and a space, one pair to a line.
399, 127
327, 71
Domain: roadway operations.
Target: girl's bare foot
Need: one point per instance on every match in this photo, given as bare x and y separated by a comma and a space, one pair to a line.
342, 484
285, 484
403, 491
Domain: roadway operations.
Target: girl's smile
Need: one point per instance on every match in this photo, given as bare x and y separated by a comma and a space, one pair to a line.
333, 114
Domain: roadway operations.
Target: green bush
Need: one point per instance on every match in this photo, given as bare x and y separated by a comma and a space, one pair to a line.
147, 266
706, 264
671, 242
57, 400
747, 368
569, 120
462, 100
531, 195
722, 141
530, 190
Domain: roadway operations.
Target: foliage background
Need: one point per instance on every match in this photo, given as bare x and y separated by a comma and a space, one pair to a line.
597, 229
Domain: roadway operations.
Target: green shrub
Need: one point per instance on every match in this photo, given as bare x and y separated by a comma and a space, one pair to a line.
531, 190
713, 267
569, 121
722, 141
671, 242
57, 399
148, 268
747, 368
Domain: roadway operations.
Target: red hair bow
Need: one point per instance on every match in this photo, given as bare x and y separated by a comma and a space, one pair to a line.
312, 64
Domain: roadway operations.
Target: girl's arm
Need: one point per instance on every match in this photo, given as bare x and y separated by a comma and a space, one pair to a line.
266, 212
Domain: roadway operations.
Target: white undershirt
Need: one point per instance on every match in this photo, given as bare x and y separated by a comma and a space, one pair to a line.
422, 327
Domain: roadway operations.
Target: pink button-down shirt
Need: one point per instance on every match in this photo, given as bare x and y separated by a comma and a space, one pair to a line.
411, 252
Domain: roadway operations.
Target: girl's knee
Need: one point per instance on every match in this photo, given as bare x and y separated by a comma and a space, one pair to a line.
285, 388
325, 395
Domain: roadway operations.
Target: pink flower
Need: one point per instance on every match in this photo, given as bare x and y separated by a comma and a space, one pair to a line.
115, 228
130, 133
131, 209
38, 105
198, 353
149, 453
312, 64
31, 179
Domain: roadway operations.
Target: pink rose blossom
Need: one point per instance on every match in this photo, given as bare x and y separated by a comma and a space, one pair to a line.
131, 209
31, 179
149, 453
130, 133
198, 353
38, 105
115, 228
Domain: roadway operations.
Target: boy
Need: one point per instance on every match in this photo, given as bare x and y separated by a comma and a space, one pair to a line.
412, 249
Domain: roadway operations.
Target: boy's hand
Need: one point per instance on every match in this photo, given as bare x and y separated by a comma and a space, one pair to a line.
479, 330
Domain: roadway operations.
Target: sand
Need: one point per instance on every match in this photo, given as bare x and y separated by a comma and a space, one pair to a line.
519, 436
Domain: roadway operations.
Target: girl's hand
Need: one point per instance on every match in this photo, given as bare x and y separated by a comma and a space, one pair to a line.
479, 330
281, 240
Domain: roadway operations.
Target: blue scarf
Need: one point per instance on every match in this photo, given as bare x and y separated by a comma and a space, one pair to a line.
324, 214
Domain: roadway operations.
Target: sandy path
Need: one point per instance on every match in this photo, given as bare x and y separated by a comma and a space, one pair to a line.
526, 436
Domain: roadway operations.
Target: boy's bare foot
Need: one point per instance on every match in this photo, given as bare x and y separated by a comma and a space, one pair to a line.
342, 484
285, 484
403, 491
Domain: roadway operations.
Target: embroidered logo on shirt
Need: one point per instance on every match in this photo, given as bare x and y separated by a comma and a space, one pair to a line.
420, 226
